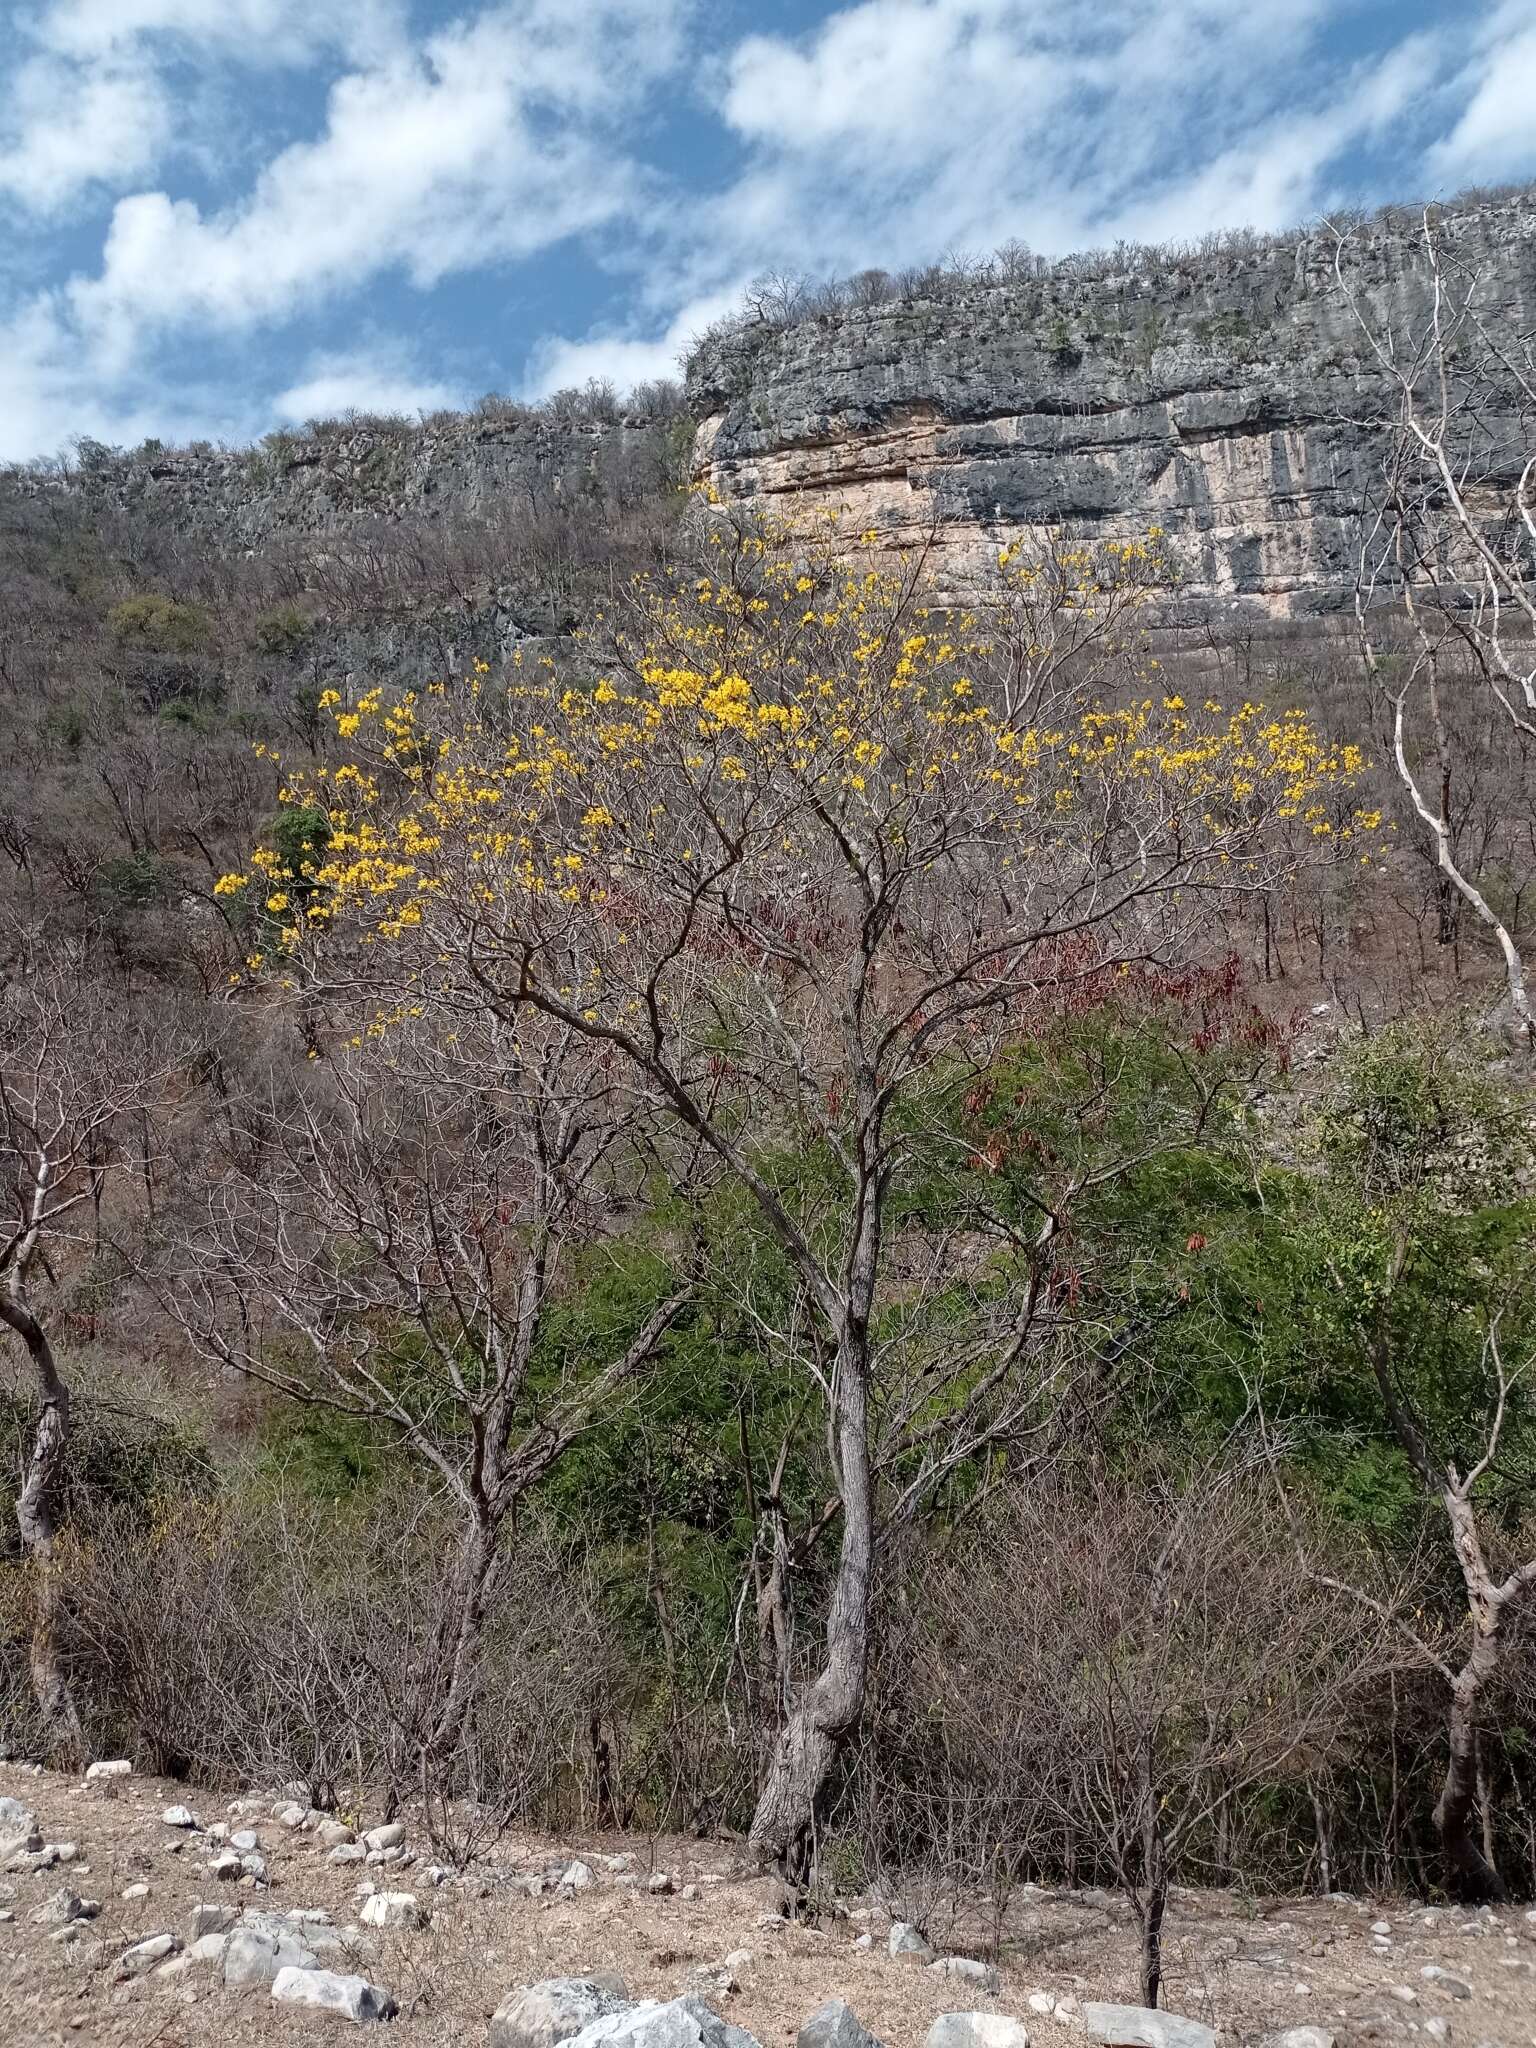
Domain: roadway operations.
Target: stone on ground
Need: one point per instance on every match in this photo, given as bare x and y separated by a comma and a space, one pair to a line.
1139, 2026
179, 1817
1300, 2037
109, 1767
393, 1909
835, 2025
966, 1970
258, 1948
907, 1944
680, 2023
977, 2030
541, 2015
390, 1836
145, 1954
328, 1991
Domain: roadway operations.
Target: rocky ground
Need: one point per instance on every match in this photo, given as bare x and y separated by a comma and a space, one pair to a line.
135, 1911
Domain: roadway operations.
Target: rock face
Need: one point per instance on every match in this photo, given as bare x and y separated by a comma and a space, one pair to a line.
1230, 399
309, 483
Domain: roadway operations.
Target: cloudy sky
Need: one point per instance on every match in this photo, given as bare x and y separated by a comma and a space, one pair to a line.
218, 215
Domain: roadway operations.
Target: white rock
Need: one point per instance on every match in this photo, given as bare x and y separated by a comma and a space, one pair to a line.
681, 2023
347, 1852
208, 1948
1041, 2002
907, 1944
179, 1817
1381, 1927
390, 1836
835, 2025
226, 1866
245, 1840
1437, 2028
393, 1909
1138, 2026
212, 1919
258, 1949
977, 2030
145, 1954
134, 1891
1453, 1987
658, 1884
1403, 1993
115, 1767
328, 1991
966, 1970
290, 1814
577, 1877
543, 2015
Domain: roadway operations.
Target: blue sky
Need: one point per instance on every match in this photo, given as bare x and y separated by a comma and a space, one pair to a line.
220, 215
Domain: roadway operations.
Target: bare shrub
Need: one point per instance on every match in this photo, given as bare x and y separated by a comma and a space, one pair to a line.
1112, 1679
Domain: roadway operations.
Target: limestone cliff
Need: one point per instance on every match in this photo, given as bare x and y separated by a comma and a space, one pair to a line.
1232, 400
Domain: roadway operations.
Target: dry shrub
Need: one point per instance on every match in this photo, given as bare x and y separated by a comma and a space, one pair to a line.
253, 1641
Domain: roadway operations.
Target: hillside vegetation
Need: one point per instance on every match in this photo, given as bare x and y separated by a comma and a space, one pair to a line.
652, 1179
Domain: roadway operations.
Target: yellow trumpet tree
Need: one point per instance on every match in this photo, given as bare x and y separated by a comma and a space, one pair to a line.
781, 847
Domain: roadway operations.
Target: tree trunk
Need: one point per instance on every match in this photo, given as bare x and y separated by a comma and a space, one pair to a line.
827, 1713
1469, 1876
1152, 1941
37, 1521
461, 1634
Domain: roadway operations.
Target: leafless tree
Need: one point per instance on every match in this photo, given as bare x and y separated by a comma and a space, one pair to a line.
383, 1239
77, 1074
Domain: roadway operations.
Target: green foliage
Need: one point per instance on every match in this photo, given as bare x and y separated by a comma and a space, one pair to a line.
136, 881
281, 631
160, 625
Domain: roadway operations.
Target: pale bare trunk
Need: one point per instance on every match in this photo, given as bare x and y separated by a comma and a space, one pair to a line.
37, 1507
827, 1713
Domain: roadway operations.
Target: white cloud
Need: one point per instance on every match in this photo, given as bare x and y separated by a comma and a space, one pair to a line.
482, 145
1495, 137
625, 359
358, 381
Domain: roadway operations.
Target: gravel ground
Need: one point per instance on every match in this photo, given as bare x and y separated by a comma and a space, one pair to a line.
1248, 1967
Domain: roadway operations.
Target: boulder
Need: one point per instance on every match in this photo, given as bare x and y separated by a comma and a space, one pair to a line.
965, 1970
541, 2015
145, 1954
907, 1945
393, 1909
577, 1877
335, 1834
390, 1836
658, 1884
1443, 1980
290, 1814
16, 1821
354, 1998
211, 1920
1300, 2037
115, 1767
63, 1907
835, 2025
347, 1852
179, 1817
1139, 2026
208, 1948
259, 1948
977, 2030
680, 2023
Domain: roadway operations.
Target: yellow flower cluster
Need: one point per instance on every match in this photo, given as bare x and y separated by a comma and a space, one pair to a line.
788, 709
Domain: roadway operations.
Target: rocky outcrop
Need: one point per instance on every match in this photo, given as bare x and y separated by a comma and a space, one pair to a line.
339, 476
1230, 399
